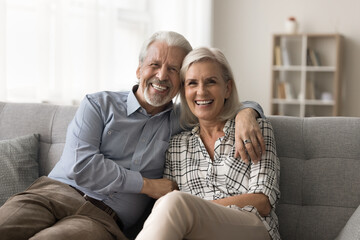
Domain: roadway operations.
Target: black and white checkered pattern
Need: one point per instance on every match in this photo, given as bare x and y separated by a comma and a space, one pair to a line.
189, 164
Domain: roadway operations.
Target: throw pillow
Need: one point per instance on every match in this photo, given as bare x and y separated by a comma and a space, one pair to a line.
18, 164
351, 231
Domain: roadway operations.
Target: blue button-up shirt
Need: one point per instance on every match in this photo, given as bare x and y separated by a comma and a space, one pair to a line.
112, 143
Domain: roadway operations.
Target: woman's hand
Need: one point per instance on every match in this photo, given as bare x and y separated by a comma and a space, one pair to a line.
249, 140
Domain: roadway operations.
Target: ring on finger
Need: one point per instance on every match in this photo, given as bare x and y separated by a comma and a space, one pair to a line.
246, 141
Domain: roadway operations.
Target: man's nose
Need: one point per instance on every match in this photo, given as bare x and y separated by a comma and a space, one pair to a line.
162, 73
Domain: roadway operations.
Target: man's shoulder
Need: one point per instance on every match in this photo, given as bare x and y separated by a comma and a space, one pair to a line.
106, 98
108, 102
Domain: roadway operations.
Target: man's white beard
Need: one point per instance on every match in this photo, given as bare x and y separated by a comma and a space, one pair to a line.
156, 100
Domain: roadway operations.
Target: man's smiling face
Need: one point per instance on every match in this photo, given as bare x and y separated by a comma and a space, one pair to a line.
158, 75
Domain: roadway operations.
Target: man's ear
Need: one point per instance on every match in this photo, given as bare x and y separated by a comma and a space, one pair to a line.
138, 71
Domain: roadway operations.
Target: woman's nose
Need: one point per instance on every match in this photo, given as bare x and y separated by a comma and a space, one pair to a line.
201, 89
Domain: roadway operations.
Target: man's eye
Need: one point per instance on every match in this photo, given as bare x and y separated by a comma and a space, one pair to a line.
174, 70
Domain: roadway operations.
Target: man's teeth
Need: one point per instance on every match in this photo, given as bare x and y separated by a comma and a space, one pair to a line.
203, 102
159, 87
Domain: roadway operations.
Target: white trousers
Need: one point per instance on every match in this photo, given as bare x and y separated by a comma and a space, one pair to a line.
180, 215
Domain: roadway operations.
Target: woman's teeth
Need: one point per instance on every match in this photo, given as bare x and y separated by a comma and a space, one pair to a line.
204, 102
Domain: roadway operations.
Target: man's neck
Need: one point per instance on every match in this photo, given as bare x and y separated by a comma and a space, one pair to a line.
144, 104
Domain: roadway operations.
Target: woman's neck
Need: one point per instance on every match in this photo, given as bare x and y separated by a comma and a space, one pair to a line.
211, 128
209, 133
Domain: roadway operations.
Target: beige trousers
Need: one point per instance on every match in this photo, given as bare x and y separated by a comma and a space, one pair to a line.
49, 209
180, 215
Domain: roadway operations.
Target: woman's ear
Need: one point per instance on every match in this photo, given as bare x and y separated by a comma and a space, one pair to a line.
228, 88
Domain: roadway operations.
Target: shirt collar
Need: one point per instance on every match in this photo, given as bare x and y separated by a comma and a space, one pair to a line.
228, 126
133, 104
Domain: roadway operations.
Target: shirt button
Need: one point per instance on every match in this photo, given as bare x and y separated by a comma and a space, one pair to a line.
109, 132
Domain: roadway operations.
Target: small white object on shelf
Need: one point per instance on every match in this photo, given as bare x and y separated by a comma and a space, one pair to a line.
291, 25
326, 96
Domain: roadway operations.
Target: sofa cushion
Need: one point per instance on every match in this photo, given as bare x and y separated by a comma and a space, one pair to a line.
18, 164
319, 176
351, 231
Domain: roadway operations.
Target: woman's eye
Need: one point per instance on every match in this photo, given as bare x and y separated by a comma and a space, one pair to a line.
191, 83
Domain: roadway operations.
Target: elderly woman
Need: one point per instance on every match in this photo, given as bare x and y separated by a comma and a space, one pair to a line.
220, 197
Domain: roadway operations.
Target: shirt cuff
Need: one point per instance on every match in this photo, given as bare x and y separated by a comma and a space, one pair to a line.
134, 182
255, 106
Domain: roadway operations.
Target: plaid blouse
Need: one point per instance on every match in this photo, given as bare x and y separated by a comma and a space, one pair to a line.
189, 164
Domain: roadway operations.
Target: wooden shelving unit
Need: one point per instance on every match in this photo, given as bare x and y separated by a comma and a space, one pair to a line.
306, 74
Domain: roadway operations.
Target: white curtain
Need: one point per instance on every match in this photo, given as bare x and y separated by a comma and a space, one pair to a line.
58, 50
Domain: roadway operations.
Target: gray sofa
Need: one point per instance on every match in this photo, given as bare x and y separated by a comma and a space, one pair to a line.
320, 165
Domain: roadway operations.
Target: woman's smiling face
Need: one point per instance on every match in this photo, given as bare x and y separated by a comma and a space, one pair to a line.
206, 90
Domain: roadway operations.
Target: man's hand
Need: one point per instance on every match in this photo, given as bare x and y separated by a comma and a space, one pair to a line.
248, 137
156, 188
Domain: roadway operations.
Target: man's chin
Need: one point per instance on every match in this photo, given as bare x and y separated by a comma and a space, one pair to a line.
157, 102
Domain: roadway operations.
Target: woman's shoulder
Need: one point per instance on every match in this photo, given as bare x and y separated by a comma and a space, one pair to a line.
263, 122
184, 136
266, 127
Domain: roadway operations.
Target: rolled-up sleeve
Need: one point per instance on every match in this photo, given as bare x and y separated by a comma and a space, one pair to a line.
264, 176
255, 106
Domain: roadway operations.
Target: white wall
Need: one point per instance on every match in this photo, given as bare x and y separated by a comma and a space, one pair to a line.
243, 30
192, 19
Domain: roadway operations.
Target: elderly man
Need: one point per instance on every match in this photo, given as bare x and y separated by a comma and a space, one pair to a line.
114, 155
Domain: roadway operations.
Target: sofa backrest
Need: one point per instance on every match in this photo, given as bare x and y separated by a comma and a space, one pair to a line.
320, 174
319, 157
50, 121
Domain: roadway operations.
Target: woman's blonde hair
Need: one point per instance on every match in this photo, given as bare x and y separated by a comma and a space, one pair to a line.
232, 104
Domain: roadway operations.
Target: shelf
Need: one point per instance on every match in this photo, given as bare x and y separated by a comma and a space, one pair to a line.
287, 68
285, 101
307, 68
306, 74
319, 102
306, 101
321, 69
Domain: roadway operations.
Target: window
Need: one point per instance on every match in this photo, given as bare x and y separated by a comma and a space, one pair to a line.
59, 50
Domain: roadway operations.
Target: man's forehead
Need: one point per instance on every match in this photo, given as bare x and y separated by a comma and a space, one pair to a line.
161, 50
